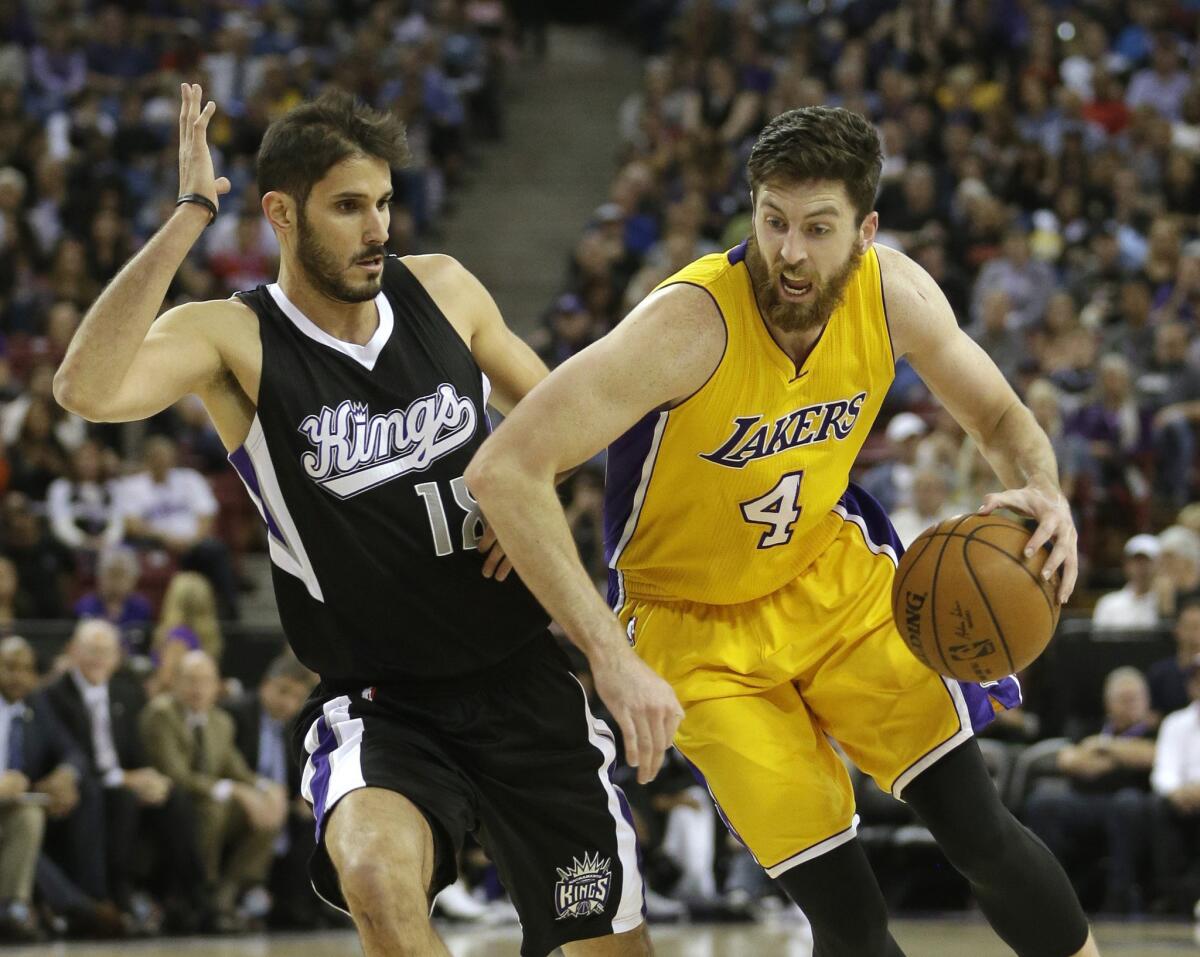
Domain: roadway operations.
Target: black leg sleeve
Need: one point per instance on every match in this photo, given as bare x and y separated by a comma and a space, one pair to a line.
841, 899
1021, 888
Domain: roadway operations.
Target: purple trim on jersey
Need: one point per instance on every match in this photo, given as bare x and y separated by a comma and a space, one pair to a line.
240, 460
626, 457
979, 698
326, 745
703, 782
858, 501
738, 253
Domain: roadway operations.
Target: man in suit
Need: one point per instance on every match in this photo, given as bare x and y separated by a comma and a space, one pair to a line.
262, 720
38, 763
99, 707
191, 741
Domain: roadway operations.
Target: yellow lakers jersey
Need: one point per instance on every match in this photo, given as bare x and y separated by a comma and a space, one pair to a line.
731, 494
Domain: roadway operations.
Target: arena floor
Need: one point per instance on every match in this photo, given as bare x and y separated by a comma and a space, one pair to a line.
920, 938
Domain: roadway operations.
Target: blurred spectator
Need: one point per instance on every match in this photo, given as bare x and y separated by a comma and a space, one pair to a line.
1135, 605
15, 605
186, 622
1176, 780
570, 330
239, 815
99, 708
116, 601
1169, 390
1162, 85
1168, 676
996, 335
585, 515
1178, 580
931, 503
892, 482
262, 720
1028, 282
1103, 814
43, 566
83, 507
37, 458
173, 508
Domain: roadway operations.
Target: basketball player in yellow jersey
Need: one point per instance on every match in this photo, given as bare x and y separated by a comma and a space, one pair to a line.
749, 572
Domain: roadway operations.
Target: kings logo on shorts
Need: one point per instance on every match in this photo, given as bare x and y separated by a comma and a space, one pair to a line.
357, 451
582, 889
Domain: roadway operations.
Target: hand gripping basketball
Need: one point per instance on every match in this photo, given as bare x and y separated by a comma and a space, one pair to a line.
195, 159
1049, 507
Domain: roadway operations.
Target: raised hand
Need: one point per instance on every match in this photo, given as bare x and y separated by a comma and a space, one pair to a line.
196, 173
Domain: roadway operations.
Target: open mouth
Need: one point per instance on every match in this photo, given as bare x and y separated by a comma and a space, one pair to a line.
794, 289
371, 263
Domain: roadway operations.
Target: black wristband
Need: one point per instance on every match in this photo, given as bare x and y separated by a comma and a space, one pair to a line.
199, 201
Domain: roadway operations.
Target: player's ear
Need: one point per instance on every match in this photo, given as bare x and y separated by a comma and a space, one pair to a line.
867, 231
280, 210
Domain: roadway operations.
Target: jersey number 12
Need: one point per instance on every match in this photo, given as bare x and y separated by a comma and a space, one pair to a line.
472, 525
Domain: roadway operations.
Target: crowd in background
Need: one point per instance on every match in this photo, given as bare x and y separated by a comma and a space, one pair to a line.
1041, 162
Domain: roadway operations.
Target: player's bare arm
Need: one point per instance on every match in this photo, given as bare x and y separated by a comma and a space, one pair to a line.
969, 385
510, 365
125, 364
662, 353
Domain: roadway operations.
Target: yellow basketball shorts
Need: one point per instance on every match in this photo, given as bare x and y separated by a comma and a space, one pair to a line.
768, 686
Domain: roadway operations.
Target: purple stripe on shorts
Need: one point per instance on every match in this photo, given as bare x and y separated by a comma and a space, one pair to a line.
703, 781
326, 745
244, 466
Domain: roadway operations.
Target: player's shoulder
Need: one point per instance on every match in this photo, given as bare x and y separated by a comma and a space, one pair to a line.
431, 268
917, 311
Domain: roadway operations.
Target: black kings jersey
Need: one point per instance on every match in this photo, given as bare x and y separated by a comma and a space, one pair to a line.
355, 460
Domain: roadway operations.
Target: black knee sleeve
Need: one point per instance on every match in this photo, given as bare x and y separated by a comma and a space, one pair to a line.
839, 896
1020, 886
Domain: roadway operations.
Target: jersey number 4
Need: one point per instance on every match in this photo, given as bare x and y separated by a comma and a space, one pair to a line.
472, 525
778, 509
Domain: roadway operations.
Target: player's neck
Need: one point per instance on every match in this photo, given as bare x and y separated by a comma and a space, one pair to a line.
353, 322
795, 345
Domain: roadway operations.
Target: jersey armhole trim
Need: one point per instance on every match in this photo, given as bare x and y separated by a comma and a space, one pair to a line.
466, 346
887, 323
724, 347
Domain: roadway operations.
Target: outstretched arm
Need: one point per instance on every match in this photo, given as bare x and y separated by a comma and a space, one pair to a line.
976, 393
119, 366
663, 352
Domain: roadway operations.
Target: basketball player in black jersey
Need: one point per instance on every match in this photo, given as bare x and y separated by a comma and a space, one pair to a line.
351, 394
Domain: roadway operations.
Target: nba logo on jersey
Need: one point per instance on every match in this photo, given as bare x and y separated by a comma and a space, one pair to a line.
582, 889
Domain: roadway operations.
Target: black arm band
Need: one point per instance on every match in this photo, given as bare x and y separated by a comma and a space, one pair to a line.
199, 201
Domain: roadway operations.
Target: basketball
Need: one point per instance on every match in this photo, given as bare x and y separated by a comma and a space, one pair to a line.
968, 602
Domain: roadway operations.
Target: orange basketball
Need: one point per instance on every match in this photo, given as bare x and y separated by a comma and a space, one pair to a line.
968, 602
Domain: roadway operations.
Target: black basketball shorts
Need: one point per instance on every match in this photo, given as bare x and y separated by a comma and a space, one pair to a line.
519, 760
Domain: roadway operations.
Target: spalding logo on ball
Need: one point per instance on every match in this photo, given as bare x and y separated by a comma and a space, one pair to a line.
968, 602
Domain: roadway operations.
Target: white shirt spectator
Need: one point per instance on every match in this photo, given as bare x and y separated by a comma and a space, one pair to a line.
8, 714
1126, 609
1177, 755
172, 508
95, 699
74, 507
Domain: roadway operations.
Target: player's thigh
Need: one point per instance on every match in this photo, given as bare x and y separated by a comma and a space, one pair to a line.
892, 716
379, 836
778, 783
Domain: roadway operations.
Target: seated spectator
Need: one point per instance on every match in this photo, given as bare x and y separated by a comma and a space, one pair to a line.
33, 742
1176, 781
585, 515
570, 329
262, 719
1178, 577
43, 566
36, 459
99, 708
1106, 803
14, 603
1029, 282
239, 815
891, 482
1169, 391
174, 508
1135, 605
82, 506
931, 503
1168, 676
187, 622
995, 335
117, 602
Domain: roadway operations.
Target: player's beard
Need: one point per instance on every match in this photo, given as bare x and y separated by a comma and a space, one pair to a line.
327, 274
785, 316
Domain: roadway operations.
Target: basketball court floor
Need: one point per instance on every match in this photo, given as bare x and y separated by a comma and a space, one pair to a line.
950, 937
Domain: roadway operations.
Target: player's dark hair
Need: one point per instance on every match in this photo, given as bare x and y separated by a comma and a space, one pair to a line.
302, 146
820, 142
